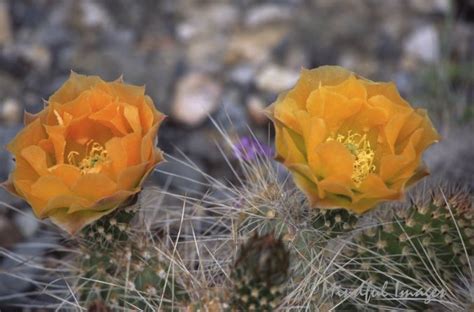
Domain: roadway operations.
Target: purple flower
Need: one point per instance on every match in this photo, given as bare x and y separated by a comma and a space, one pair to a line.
249, 148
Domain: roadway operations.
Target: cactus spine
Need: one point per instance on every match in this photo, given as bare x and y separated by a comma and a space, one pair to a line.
122, 267
259, 274
429, 242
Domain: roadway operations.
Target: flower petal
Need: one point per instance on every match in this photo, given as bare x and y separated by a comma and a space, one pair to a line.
74, 222
67, 173
94, 186
131, 177
30, 135
73, 87
312, 79
37, 159
333, 159
112, 116
116, 153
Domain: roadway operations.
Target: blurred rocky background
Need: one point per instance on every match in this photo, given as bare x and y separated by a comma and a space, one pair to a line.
229, 59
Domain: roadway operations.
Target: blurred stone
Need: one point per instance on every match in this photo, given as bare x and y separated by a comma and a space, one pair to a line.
296, 58
404, 82
255, 108
255, 46
176, 175
38, 56
243, 74
197, 95
206, 54
232, 115
202, 144
11, 111
203, 21
24, 267
6, 134
27, 223
161, 72
9, 233
25, 59
111, 62
423, 43
431, 6
358, 62
451, 159
89, 14
274, 78
463, 35
5, 23
266, 14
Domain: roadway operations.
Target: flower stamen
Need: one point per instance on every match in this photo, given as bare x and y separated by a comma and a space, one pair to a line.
96, 155
359, 146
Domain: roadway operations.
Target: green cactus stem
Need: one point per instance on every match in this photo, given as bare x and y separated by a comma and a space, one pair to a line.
260, 274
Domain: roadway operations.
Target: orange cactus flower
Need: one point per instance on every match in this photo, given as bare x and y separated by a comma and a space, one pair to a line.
349, 142
86, 152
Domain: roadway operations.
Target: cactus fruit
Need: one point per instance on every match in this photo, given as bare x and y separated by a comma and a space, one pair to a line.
259, 274
427, 243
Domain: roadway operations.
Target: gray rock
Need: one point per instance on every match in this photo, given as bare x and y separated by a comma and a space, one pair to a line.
255, 109
6, 134
26, 223
274, 78
5, 23
423, 44
232, 116
197, 96
267, 13
202, 21
93, 15
16, 273
9, 233
432, 6
176, 175
243, 74
255, 46
206, 54
450, 160
11, 111
202, 144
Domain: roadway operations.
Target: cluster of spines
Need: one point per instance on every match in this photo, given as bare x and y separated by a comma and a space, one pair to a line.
111, 229
133, 275
334, 221
260, 274
427, 243
120, 266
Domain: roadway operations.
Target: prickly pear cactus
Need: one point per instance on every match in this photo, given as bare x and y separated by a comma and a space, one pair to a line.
260, 274
122, 267
427, 243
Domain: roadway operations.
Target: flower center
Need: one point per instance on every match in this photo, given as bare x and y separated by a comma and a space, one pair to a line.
359, 146
96, 155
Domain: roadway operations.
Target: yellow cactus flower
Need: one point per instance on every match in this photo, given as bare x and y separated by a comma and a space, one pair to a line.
86, 152
349, 142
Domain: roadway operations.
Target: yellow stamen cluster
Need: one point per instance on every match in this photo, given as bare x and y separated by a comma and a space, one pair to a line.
359, 146
96, 155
